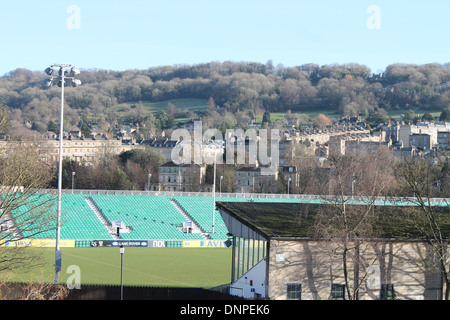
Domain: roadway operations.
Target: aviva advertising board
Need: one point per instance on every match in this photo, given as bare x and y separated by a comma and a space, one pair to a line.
206, 244
40, 243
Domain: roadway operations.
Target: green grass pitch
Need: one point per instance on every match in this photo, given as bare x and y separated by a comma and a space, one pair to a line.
165, 267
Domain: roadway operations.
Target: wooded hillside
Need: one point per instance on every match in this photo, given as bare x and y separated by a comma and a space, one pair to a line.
349, 89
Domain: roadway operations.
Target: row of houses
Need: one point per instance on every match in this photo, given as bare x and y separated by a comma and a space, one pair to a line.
339, 140
247, 179
423, 135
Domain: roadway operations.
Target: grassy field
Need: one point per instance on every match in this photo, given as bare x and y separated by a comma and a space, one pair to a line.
152, 107
333, 114
200, 104
395, 113
177, 267
310, 113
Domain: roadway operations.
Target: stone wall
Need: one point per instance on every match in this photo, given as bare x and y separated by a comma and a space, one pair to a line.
316, 265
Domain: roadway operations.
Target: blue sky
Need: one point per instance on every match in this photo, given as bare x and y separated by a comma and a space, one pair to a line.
135, 34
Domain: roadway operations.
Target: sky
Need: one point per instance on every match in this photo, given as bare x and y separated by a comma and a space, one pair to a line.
139, 34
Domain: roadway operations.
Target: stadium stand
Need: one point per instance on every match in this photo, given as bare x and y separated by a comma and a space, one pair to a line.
78, 220
22, 215
150, 216
200, 209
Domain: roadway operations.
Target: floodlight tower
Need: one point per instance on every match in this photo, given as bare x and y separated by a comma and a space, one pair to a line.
216, 145
59, 77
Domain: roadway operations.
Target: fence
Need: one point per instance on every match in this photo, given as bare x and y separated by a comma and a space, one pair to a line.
16, 291
97, 292
408, 200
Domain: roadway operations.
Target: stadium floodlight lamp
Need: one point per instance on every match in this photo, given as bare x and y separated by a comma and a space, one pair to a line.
74, 72
216, 144
48, 82
75, 82
49, 71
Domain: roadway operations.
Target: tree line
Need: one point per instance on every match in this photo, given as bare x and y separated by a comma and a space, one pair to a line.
349, 89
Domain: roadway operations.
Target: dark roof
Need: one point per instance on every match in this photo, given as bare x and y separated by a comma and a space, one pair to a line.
300, 220
250, 169
173, 164
160, 143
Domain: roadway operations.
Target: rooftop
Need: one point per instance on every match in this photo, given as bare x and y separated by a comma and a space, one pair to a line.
299, 220
173, 164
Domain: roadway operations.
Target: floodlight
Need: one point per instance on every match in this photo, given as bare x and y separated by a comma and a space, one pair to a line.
47, 82
62, 74
74, 72
49, 71
75, 82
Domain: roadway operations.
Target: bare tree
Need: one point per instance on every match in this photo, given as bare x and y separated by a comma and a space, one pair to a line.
363, 177
26, 212
418, 180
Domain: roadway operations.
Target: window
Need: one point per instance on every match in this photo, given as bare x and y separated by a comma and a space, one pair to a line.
337, 291
387, 291
294, 291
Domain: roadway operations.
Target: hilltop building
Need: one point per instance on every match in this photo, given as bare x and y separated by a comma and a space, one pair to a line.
181, 177
399, 132
85, 151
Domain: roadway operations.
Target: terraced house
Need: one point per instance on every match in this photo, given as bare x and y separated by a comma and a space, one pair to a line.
84, 151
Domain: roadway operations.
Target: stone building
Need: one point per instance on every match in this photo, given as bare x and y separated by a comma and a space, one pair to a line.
249, 179
277, 255
353, 143
162, 146
181, 177
420, 141
399, 132
443, 139
84, 151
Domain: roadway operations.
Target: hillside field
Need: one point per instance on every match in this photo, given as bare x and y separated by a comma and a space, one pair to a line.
191, 104
194, 104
